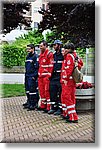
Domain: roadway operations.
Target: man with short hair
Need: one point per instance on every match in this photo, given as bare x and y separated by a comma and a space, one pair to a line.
31, 74
45, 72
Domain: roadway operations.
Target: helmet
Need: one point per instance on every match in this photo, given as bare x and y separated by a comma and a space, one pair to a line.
57, 42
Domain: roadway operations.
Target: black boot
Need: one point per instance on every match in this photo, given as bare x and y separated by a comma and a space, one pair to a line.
71, 121
31, 108
45, 110
58, 112
25, 104
52, 110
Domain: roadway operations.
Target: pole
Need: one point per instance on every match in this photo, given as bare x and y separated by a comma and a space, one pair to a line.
87, 52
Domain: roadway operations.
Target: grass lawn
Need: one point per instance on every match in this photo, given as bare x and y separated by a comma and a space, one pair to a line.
12, 90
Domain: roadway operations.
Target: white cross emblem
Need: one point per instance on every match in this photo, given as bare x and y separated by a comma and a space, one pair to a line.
44, 60
68, 62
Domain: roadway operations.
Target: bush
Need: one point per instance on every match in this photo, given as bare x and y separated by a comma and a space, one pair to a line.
14, 54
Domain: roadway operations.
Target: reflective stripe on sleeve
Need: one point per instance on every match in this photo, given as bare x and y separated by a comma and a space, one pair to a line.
52, 103
64, 77
58, 71
66, 67
59, 61
29, 60
63, 70
46, 66
54, 62
42, 99
47, 73
32, 93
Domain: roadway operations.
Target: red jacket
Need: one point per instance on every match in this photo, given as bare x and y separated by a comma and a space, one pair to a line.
45, 64
67, 68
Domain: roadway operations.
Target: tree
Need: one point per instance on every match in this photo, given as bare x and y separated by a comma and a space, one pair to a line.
13, 15
74, 22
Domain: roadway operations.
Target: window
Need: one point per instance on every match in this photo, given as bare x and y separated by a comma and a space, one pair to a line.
43, 6
35, 24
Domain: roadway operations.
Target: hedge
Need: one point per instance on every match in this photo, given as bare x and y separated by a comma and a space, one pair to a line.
14, 54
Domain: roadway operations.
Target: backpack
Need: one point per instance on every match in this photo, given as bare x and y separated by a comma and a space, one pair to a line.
77, 74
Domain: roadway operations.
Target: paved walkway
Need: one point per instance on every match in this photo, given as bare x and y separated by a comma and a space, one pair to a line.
35, 126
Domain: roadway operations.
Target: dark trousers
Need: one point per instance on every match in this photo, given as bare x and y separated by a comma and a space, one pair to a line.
55, 94
31, 88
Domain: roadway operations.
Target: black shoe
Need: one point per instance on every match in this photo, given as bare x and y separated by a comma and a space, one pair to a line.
45, 110
51, 111
39, 109
25, 104
71, 121
58, 112
31, 108
26, 107
64, 117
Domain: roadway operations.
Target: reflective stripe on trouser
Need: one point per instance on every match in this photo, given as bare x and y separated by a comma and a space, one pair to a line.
31, 90
64, 110
55, 94
68, 98
43, 85
42, 103
33, 98
72, 112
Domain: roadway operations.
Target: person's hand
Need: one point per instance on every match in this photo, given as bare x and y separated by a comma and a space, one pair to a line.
65, 82
33, 78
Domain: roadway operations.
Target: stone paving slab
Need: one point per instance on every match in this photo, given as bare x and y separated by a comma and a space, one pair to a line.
20, 125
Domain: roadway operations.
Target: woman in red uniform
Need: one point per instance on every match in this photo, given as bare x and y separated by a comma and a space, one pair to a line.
68, 83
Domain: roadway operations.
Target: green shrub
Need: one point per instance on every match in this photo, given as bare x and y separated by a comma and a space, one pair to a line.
14, 54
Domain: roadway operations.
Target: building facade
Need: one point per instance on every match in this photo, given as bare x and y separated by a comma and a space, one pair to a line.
33, 15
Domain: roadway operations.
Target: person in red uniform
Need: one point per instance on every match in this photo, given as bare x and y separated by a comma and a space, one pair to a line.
68, 83
44, 73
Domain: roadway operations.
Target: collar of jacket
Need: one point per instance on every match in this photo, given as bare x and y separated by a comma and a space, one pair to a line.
31, 54
58, 52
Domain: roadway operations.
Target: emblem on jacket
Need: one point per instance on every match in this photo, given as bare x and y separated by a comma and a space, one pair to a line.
44, 60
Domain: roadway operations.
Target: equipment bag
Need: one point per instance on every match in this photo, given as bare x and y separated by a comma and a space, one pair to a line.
77, 74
